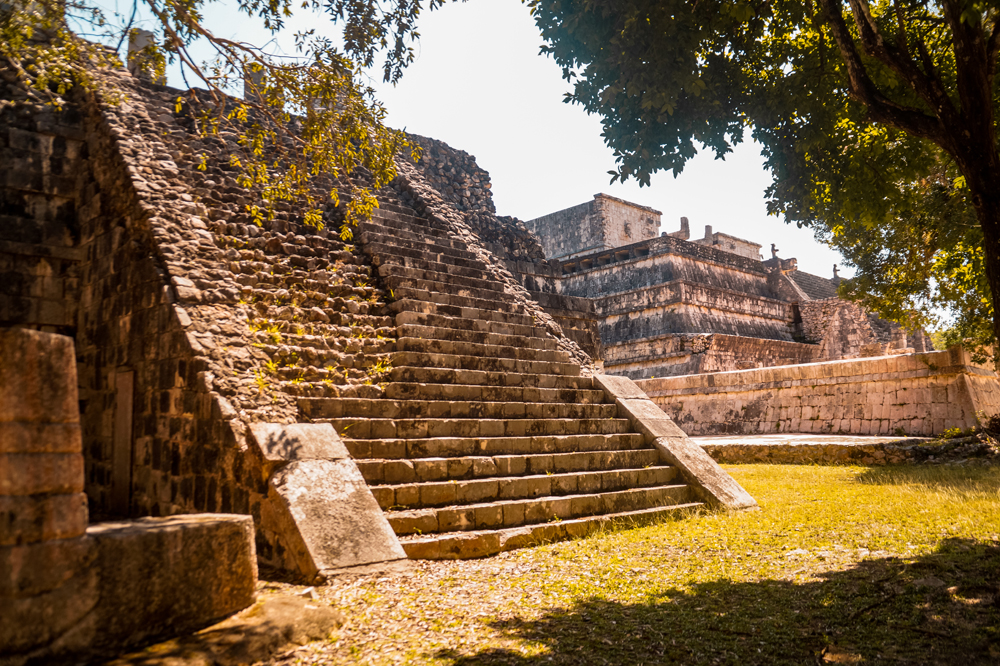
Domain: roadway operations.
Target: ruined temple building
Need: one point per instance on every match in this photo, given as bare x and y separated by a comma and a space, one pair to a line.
666, 304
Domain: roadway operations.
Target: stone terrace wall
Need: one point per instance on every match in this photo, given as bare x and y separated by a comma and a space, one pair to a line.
913, 394
689, 354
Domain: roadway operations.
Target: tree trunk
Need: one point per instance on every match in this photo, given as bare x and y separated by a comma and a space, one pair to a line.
985, 188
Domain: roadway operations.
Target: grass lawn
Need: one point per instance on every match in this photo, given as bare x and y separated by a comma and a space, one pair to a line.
840, 565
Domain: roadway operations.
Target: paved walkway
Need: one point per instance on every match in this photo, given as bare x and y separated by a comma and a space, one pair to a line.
802, 439
796, 448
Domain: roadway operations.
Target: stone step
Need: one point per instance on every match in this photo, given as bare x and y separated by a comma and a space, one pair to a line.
500, 306
336, 408
378, 428
419, 278
452, 493
487, 364
386, 205
373, 235
464, 447
477, 337
390, 228
384, 253
483, 543
427, 268
416, 223
320, 357
450, 347
465, 324
392, 473
517, 512
451, 294
478, 392
404, 374
460, 311
429, 262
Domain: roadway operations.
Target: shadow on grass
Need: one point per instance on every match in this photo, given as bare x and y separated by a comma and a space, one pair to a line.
943, 608
966, 481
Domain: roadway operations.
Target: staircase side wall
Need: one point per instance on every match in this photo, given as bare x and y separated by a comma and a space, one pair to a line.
912, 394
101, 241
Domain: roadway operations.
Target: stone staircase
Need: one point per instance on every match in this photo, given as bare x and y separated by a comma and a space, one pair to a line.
484, 436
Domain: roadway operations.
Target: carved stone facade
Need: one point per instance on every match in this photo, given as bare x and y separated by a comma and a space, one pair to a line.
670, 305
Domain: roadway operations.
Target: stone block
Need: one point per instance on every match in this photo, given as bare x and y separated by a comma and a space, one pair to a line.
42, 473
25, 520
37, 377
279, 442
59, 591
619, 387
163, 576
35, 569
23, 437
649, 419
326, 518
124, 584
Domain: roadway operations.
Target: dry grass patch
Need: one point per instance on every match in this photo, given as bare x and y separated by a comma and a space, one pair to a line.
840, 565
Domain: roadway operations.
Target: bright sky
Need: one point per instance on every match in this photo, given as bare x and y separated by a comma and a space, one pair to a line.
480, 85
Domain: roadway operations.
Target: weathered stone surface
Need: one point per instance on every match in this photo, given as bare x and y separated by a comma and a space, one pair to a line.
122, 584
328, 517
56, 587
619, 388
298, 441
37, 378
160, 576
23, 437
30, 519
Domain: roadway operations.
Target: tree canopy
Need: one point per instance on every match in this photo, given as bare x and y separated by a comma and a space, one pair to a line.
877, 121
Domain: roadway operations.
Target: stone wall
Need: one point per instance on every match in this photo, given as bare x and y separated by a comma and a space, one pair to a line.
454, 174
689, 354
42, 151
601, 224
171, 359
911, 394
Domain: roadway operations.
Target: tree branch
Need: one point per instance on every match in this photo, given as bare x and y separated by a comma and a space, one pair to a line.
926, 84
974, 91
993, 47
863, 89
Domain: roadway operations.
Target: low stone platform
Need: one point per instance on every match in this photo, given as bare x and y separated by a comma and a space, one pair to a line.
796, 448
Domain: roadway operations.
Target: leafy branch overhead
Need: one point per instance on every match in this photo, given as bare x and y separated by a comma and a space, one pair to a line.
303, 128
